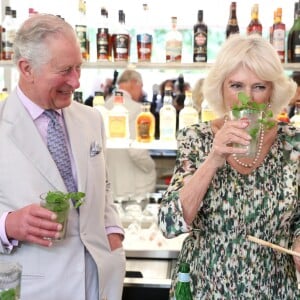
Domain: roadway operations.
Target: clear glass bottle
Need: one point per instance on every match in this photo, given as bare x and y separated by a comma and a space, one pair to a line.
98, 103
173, 43
145, 124
121, 40
188, 115
254, 25
144, 38
81, 31
207, 113
200, 39
232, 25
167, 118
183, 286
118, 121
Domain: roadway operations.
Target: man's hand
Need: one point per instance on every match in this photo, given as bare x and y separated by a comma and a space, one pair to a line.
115, 241
33, 224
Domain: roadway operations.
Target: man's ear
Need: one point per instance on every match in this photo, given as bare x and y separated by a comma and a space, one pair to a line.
26, 69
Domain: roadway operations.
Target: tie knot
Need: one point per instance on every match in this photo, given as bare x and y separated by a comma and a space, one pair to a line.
51, 114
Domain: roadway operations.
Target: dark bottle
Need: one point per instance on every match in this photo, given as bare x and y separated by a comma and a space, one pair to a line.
183, 286
78, 96
200, 39
254, 25
121, 40
103, 38
293, 43
232, 25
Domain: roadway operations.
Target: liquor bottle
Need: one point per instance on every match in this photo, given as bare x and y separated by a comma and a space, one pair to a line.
81, 31
254, 25
145, 124
98, 103
173, 43
118, 122
188, 115
121, 40
207, 113
8, 34
103, 38
167, 118
78, 96
278, 39
144, 37
183, 286
200, 39
293, 44
232, 25
295, 119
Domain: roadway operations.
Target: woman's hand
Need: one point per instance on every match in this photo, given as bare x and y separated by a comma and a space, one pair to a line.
296, 247
231, 132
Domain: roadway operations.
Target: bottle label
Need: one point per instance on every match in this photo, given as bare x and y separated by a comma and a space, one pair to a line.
103, 44
183, 277
117, 126
279, 39
173, 50
121, 43
200, 47
81, 32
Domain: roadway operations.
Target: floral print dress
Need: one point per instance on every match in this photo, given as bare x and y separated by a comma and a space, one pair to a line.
265, 204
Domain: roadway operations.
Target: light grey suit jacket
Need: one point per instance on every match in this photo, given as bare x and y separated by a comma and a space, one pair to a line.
27, 170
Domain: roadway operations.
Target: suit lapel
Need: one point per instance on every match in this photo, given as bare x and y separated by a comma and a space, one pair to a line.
26, 137
76, 131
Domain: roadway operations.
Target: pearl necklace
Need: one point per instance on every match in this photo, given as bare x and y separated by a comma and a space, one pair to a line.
258, 152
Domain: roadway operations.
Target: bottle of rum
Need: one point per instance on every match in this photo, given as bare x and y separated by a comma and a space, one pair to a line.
188, 115
118, 122
144, 37
207, 113
81, 31
183, 286
167, 118
77, 96
121, 40
200, 39
278, 39
8, 34
254, 25
293, 43
103, 38
232, 25
145, 124
173, 43
98, 103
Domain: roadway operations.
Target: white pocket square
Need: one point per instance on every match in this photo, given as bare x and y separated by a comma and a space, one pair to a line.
95, 149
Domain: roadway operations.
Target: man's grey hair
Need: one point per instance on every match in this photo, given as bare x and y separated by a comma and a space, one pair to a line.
31, 41
129, 75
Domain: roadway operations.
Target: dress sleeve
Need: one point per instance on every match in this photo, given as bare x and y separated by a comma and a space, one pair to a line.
170, 216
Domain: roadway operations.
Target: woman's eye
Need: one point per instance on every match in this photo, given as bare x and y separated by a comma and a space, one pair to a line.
259, 87
236, 86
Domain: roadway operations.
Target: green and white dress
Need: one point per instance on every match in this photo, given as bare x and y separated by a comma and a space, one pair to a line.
265, 204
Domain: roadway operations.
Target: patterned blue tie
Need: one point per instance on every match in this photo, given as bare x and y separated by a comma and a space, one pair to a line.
56, 142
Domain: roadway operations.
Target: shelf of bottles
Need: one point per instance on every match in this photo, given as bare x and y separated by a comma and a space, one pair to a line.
150, 65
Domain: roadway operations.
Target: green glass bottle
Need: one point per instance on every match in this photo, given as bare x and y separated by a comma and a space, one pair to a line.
183, 287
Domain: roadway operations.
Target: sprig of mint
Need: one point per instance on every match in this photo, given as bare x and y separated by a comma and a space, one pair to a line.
246, 104
60, 198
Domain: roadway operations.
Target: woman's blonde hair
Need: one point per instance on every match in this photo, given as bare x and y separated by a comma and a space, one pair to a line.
259, 56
